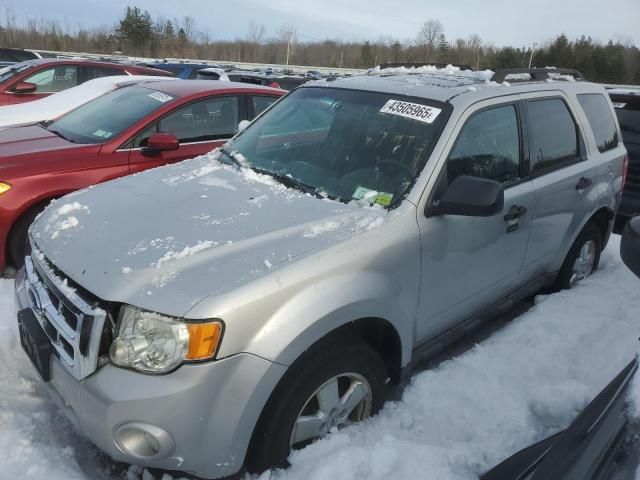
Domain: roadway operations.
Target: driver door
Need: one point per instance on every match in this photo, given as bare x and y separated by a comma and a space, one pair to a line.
199, 126
468, 263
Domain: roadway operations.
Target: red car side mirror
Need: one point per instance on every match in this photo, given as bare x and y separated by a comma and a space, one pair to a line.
162, 142
25, 87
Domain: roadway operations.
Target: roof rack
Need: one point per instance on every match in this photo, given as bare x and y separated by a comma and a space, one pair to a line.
535, 74
423, 64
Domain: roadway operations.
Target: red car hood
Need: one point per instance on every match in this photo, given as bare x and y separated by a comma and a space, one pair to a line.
29, 140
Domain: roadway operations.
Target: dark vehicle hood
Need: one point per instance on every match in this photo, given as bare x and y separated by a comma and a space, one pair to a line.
28, 140
585, 450
168, 237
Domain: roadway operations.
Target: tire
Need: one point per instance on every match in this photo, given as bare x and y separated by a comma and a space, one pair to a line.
590, 234
316, 368
17, 242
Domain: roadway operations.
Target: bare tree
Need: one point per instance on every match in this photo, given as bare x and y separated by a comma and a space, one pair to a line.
428, 37
255, 37
287, 34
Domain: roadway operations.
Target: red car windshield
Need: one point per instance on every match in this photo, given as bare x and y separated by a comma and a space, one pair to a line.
106, 117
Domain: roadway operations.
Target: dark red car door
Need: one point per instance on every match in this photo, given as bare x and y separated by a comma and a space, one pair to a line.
200, 126
48, 79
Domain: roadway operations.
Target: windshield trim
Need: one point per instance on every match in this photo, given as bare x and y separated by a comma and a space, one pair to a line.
445, 106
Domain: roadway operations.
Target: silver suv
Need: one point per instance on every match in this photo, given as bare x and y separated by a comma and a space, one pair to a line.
223, 311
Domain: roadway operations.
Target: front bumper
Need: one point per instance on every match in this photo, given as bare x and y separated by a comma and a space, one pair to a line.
203, 415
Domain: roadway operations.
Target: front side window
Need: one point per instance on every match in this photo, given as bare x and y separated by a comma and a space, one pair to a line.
107, 116
344, 144
601, 120
553, 135
488, 147
55, 79
209, 119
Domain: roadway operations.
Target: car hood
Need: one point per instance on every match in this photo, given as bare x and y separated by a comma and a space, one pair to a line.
28, 140
167, 238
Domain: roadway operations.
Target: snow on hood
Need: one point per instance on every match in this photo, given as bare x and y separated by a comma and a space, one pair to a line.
55, 105
167, 238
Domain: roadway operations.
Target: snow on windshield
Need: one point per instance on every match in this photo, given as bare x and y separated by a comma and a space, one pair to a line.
453, 422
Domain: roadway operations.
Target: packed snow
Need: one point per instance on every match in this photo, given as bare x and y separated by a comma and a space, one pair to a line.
453, 422
54, 106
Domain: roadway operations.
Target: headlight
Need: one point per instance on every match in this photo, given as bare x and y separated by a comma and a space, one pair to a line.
155, 343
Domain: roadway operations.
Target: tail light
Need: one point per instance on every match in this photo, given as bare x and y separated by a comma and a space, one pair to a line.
625, 168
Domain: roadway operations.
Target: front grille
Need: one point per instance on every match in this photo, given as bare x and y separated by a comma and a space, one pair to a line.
73, 324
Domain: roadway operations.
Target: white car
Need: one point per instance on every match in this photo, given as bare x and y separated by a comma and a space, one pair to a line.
53, 106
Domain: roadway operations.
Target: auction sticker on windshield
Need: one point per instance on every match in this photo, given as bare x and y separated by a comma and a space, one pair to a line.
415, 111
161, 97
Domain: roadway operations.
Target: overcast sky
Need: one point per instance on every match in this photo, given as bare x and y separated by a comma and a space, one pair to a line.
510, 22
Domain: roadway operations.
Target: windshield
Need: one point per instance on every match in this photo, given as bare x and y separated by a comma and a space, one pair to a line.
7, 72
345, 144
107, 116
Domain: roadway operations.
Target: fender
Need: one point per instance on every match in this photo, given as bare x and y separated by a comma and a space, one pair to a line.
313, 314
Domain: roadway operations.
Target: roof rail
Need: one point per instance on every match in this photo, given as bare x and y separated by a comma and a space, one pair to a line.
534, 74
423, 64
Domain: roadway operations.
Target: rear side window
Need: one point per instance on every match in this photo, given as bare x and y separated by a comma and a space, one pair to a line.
261, 103
598, 113
488, 147
99, 72
553, 135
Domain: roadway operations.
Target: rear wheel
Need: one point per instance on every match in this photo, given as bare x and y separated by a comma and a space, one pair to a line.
17, 242
583, 258
332, 385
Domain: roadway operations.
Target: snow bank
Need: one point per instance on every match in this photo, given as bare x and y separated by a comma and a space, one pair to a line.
526, 381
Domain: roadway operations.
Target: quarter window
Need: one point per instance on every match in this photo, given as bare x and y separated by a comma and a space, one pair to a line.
488, 147
55, 79
553, 135
598, 113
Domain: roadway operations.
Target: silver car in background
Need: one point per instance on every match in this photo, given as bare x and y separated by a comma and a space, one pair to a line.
220, 312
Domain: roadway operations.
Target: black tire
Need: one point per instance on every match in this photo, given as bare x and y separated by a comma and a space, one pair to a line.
270, 445
17, 242
589, 233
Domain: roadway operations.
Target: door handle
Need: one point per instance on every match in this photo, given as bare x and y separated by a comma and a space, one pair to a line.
583, 183
514, 213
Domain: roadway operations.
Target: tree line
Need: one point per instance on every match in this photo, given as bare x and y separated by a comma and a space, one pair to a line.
137, 33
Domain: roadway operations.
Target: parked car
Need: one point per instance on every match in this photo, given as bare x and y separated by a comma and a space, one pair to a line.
16, 55
184, 70
285, 82
627, 105
602, 442
35, 79
49, 108
131, 129
212, 74
273, 289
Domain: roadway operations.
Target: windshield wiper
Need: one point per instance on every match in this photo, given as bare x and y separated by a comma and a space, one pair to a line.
56, 132
232, 156
289, 181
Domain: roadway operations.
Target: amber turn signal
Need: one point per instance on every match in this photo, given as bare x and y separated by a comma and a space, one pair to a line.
203, 340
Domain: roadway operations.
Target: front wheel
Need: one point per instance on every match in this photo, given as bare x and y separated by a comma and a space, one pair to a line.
583, 258
330, 387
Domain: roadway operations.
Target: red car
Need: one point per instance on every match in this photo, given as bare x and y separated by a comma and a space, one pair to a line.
34, 79
131, 129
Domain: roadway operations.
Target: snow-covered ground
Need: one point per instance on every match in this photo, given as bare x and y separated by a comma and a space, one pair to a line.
524, 382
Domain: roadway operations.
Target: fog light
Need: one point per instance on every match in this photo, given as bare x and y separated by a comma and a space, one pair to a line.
143, 441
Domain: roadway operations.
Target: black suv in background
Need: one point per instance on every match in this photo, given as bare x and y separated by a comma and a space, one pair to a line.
627, 105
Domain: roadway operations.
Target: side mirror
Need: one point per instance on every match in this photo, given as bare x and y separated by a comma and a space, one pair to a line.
161, 142
243, 124
470, 197
25, 87
630, 246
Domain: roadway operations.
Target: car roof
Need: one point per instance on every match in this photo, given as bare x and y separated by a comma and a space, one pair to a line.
53, 61
185, 88
447, 85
